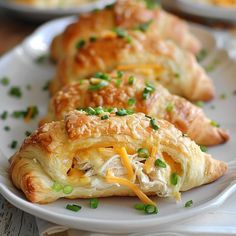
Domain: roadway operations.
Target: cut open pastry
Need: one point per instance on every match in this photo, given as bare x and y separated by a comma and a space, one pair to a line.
163, 61
123, 90
86, 156
127, 14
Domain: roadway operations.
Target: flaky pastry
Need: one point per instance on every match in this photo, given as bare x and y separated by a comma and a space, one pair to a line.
127, 14
123, 90
145, 55
86, 156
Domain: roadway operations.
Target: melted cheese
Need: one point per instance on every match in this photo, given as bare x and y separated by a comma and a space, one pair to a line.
142, 196
150, 161
126, 162
77, 177
175, 166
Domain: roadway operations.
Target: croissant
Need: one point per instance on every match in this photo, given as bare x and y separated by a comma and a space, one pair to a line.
145, 55
86, 156
123, 90
127, 14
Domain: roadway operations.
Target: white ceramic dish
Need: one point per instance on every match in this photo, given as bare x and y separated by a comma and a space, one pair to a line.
114, 214
202, 10
43, 14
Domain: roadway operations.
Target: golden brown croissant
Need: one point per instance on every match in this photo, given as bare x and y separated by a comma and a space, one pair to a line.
122, 90
145, 55
88, 156
128, 14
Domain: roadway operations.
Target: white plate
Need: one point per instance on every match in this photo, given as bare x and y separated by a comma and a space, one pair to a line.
203, 10
43, 14
113, 214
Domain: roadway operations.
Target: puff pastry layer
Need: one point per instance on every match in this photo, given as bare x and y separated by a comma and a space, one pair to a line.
120, 93
146, 56
97, 158
126, 14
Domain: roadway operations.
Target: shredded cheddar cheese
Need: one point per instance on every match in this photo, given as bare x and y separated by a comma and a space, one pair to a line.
140, 67
142, 196
150, 161
126, 162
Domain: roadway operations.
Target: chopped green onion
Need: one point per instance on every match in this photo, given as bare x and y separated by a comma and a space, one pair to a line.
131, 101
147, 91
57, 186
151, 4
100, 75
129, 39
90, 111
80, 43
41, 59
174, 179
13, 144
149, 117
121, 112
46, 86
188, 203
93, 203
118, 82
177, 75
143, 153
73, 207
93, 39
131, 80
129, 111
4, 81
121, 33
153, 124
210, 67
203, 148
81, 81
67, 189
27, 133
160, 163
150, 209
201, 55
184, 135
214, 123
105, 117
223, 96
120, 74
98, 110
24, 113
7, 128
15, 92
4, 115
95, 87
139, 206
169, 107
199, 103
144, 26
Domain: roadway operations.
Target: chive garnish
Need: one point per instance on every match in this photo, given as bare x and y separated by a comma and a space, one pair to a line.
46, 86
5, 81
118, 82
121, 112
143, 153
80, 43
139, 206
150, 209
121, 33
95, 87
73, 207
41, 59
4, 115
15, 92
93, 203
151, 4
13, 144
131, 101
120, 74
105, 117
203, 148
169, 107
23, 113
93, 39
223, 96
131, 80
147, 91
174, 179
7, 128
188, 203
201, 55
160, 163
67, 189
144, 26
153, 124
100, 75
199, 103
57, 186
27, 133
90, 111
214, 123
